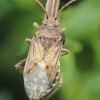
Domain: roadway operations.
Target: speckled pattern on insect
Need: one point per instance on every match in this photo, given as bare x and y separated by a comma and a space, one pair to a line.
37, 82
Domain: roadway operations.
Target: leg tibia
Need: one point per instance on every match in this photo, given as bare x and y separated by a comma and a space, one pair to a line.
20, 65
64, 51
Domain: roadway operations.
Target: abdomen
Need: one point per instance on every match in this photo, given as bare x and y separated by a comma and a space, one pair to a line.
36, 83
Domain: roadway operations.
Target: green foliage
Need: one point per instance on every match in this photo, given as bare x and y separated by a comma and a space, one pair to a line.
80, 69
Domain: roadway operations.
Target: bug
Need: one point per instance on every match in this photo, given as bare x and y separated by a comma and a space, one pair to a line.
42, 66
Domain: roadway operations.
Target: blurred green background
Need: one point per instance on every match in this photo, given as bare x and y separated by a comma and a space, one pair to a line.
80, 69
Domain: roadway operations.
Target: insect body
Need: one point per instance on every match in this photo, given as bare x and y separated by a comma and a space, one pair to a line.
42, 63
41, 67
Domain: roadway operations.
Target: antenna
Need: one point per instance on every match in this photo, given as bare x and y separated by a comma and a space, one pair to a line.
71, 1
41, 5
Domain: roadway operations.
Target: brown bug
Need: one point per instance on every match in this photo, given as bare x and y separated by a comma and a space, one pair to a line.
42, 67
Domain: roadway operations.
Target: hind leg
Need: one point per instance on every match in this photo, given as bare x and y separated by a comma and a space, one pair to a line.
57, 80
37, 99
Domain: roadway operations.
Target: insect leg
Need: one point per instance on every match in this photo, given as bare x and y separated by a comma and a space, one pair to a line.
36, 25
20, 65
65, 51
42, 98
54, 91
28, 40
59, 79
34, 99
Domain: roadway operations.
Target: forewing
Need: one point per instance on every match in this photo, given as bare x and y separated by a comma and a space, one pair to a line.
51, 58
35, 55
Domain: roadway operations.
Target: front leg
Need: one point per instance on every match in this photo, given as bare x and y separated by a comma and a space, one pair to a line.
20, 65
37, 27
28, 40
64, 51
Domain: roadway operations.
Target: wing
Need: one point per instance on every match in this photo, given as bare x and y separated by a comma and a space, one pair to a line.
51, 58
35, 55
46, 51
